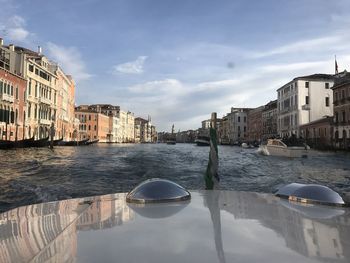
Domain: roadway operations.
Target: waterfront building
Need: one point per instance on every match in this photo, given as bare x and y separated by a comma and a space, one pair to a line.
341, 92
127, 125
318, 134
186, 136
49, 93
237, 124
12, 99
223, 133
143, 130
303, 100
254, 124
269, 120
93, 125
65, 105
154, 134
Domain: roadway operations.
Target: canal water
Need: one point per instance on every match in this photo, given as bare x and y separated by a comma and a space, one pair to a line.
30, 176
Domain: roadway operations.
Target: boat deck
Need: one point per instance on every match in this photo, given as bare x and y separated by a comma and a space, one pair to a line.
214, 226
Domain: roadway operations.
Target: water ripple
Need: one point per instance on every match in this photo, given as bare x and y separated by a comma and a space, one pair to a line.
37, 175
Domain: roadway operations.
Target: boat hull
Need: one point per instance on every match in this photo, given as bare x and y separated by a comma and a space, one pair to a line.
201, 142
292, 152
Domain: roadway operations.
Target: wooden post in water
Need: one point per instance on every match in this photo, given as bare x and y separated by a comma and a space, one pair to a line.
213, 120
52, 134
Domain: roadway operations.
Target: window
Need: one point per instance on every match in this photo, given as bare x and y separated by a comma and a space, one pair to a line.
326, 85
89, 118
17, 93
327, 101
239, 119
343, 94
89, 127
11, 90
343, 116
307, 100
245, 119
245, 128
1, 85
307, 84
31, 68
95, 127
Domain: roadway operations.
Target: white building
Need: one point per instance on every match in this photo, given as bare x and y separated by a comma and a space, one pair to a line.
237, 124
303, 100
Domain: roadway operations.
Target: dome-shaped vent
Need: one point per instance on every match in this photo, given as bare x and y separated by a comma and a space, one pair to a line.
157, 191
310, 193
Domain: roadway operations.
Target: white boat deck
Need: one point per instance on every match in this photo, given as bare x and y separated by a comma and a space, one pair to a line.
214, 226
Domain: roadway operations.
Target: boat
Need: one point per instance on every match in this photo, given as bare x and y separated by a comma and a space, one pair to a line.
277, 147
91, 142
37, 143
171, 141
185, 226
56, 142
202, 141
73, 143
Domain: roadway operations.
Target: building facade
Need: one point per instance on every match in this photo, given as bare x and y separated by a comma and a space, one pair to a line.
254, 124
319, 133
269, 120
48, 97
341, 92
12, 105
237, 125
303, 100
93, 125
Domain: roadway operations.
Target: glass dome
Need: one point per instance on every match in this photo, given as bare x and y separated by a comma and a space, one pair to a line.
157, 191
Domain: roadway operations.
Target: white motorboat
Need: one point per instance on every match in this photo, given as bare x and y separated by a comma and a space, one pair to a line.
278, 148
199, 226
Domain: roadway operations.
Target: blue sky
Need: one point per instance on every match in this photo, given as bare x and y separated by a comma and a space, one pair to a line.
178, 61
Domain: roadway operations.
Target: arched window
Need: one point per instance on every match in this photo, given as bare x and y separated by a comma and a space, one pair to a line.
89, 127
95, 127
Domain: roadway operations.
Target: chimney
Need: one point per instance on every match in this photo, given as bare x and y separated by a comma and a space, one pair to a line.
11, 47
1, 42
39, 50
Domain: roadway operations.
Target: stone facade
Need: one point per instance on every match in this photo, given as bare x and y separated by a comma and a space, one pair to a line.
318, 134
303, 100
269, 120
254, 124
12, 105
341, 91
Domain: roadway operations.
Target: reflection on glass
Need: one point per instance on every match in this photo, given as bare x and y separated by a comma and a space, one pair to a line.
48, 232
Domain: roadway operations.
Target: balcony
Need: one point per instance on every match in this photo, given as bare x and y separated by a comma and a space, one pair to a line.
45, 122
305, 107
44, 100
7, 97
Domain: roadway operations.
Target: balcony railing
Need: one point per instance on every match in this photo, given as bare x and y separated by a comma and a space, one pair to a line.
45, 122
7, 97
45, 100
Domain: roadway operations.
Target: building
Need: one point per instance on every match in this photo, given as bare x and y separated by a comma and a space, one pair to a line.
93, 125
65, 105
269, 120
318, 134
341, 92
143, 130
49, 93
236, 126
12, 100
254, 124
303, 100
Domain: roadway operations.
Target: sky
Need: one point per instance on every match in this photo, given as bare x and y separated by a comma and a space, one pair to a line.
179, 61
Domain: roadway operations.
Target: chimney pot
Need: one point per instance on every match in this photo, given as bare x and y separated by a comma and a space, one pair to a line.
39, 50
1, 42
12, 47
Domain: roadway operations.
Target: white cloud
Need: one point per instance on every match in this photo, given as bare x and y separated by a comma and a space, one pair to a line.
17, 34
132, 67
69, 58
315, 44
14, 28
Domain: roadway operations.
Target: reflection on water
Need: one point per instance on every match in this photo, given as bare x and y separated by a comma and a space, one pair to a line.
244, 227
29, 176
